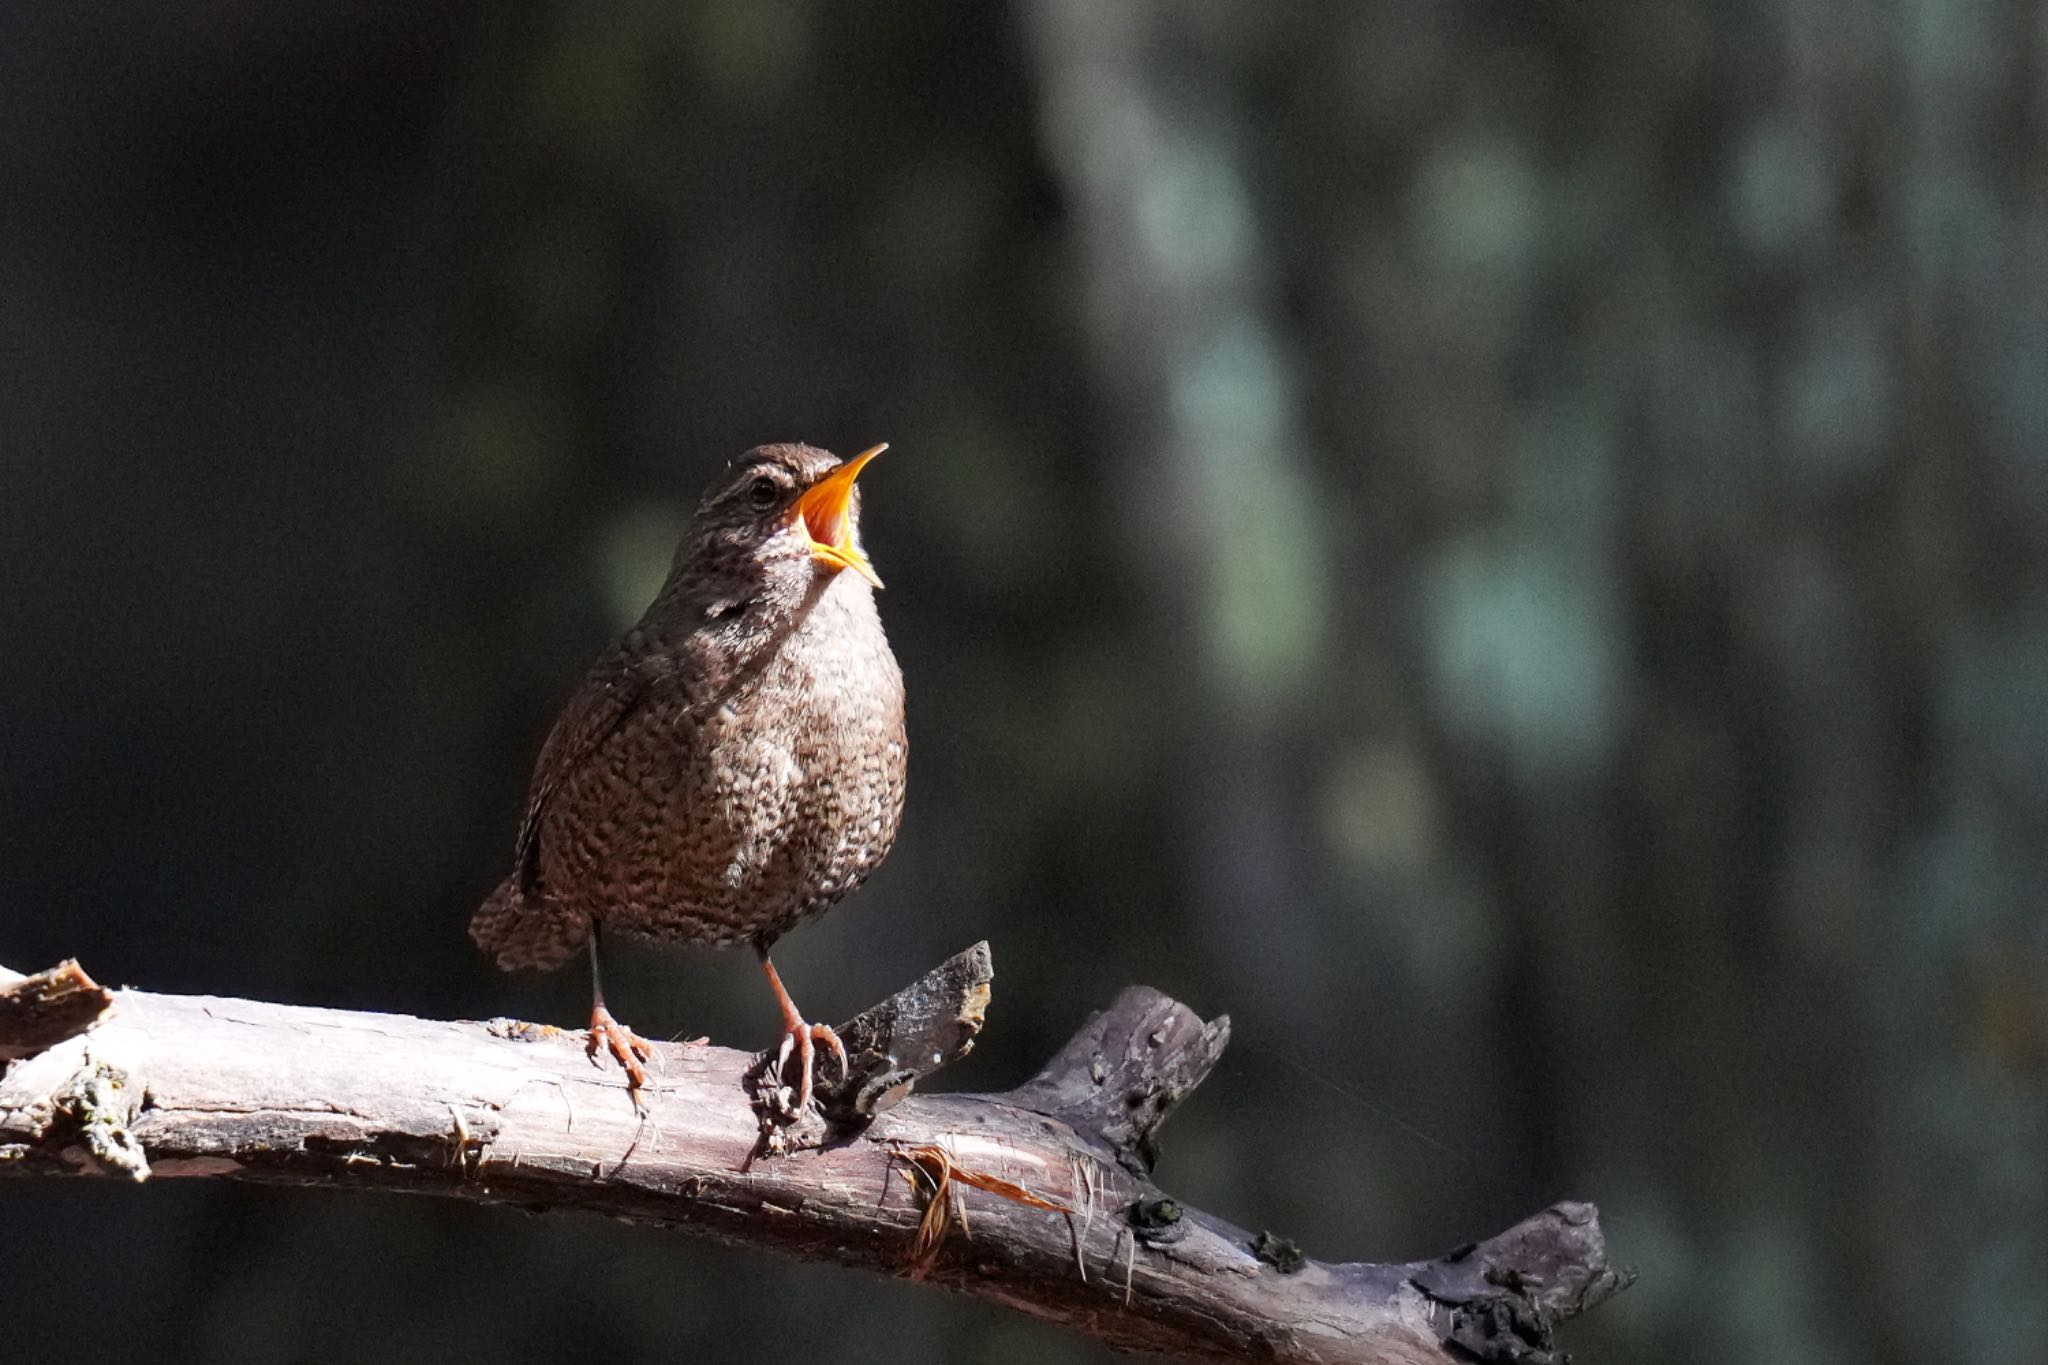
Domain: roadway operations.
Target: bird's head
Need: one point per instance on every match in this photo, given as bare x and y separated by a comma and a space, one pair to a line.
781, 522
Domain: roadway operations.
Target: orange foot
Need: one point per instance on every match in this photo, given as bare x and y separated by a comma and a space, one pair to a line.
627, 1046
799, 1038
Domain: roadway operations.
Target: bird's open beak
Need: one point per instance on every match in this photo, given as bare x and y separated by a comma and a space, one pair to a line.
823, 511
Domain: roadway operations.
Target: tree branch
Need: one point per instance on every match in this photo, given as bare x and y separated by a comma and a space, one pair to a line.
1040, 1198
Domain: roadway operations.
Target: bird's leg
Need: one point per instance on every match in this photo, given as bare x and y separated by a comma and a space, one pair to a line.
798, 1037
609, 1034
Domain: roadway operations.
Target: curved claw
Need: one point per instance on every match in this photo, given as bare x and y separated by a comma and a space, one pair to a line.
825, 1034
801, 1038
628, 1047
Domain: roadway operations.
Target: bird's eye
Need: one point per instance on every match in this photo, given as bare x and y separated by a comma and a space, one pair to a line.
764, 492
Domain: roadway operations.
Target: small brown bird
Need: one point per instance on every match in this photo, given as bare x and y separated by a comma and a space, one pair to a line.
735, 764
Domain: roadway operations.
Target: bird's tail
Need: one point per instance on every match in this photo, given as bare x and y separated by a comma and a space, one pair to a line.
526, 930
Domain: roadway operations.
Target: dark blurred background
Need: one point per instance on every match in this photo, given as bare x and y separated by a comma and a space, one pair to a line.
1499, 544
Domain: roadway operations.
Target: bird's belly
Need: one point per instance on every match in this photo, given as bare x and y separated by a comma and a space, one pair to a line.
746, 829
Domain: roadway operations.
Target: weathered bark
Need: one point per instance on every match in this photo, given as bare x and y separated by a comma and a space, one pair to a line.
1040, 1198
42, 1010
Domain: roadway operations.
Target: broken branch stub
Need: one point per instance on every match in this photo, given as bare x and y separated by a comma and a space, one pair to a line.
1120, 1076
41, 1011
1502, 1299
893, 1045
